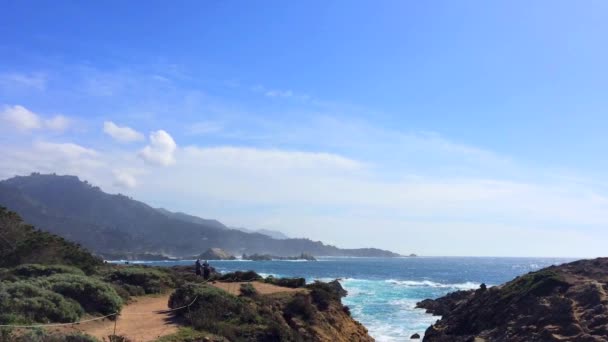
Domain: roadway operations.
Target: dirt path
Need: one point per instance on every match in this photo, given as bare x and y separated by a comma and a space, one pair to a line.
263, 288
146, 319
143, 320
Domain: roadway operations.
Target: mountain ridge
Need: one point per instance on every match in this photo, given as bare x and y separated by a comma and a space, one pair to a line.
115, 223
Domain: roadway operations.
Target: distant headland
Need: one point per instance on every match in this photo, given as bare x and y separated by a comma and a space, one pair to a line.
116, 225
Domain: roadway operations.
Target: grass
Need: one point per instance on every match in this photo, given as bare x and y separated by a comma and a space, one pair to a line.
40, 335
536, 283
240, 276
187, 334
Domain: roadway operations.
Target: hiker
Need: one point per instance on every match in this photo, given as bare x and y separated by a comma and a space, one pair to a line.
198, 267
206, 270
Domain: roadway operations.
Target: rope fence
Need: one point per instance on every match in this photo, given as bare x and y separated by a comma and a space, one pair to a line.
94, 319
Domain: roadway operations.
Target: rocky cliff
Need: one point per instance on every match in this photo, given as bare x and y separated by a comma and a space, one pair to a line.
216, 254
559, 303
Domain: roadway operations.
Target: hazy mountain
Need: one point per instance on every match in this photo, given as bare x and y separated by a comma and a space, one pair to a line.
275, 234
192, 218
102, 222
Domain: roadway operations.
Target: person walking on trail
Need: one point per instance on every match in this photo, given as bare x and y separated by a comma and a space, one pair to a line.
206, 270
198, 267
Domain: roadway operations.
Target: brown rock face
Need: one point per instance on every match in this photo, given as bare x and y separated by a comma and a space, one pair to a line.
558, 303
216, 254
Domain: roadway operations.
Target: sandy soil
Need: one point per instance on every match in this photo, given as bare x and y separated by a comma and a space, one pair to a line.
263, 288
146, 318
143, 320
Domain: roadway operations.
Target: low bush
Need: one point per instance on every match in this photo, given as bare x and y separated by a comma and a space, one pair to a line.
37, 270
25, 302
214, 310
40, 335
187, 334
92, 294
537, 283
117, 338
240, 276
323, 294
286, 282
247, 290
150, 280
299, 306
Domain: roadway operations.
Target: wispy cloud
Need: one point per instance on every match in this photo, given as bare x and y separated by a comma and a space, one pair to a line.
311, 168
279, 93
121, 134
204, 127
24, 120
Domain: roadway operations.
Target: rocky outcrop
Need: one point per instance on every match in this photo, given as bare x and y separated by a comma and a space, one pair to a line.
311, 313
337, 288
559, 303
216, 254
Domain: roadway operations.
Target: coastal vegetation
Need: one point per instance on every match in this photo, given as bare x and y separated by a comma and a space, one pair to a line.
63, 283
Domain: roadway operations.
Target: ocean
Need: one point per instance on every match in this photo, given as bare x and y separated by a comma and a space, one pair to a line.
382, 292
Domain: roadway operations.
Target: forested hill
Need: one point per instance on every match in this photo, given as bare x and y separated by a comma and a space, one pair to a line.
106, 223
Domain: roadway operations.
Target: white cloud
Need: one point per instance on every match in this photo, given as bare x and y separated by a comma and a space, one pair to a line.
21, 118
57, 123
161, 149
268, 159
49, 157
124, 179
68, 150
121, 134
24, 120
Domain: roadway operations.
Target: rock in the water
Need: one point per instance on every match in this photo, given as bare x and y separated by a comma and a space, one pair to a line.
216, 254
558, 303
416, 336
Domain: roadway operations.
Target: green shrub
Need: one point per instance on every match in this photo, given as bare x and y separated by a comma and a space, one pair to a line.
537, 283
286, 282
323, 294
37, 270
24, 302
214, 310
300, 306
186, 334
151, 280
40, 335
240, 276
247, 290
93, 295
117, 338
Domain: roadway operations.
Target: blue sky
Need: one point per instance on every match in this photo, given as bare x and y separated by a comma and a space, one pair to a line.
444, 128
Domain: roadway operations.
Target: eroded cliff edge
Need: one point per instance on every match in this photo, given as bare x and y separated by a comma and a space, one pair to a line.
559, 303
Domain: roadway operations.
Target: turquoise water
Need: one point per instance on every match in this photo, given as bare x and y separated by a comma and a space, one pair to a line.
384, 291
